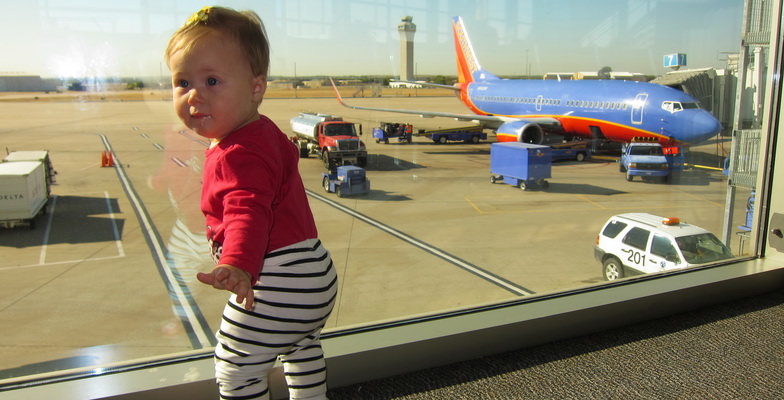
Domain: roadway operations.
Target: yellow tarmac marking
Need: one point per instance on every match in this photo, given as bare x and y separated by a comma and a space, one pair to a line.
492, 206
584, 197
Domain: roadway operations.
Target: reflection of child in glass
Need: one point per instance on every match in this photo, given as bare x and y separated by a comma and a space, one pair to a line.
259, 224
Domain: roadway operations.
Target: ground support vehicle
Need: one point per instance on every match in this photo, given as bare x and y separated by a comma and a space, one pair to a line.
644, 157
675, 159
24, 192
640, 243
579, 150
387, 130
520, 164
346, 181
35, 155
334, 140
466, 134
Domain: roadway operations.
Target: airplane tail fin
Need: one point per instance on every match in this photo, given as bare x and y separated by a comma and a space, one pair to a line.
468, 68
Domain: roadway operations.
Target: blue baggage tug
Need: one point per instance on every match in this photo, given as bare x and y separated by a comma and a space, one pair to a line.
346, 181
521, 164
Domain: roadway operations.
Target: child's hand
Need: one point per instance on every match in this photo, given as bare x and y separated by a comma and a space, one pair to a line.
233, 279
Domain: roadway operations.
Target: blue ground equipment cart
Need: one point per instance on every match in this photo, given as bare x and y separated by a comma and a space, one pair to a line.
388, 130
348, 180
520, 164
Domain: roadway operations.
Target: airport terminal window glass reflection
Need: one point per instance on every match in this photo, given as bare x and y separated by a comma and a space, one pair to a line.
104, 271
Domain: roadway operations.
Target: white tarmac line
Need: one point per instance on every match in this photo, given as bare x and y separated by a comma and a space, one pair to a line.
60, 262
482, 273
201, 331
50, 215
117, 240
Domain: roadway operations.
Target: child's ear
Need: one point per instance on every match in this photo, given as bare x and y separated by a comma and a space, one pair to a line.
259, 88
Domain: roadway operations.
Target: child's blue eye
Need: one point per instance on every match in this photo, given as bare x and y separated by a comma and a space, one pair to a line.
212, 81
182, 83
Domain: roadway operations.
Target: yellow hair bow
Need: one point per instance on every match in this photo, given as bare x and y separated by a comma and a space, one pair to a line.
200, 16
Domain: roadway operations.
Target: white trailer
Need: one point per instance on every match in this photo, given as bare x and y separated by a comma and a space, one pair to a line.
23, 192
35, 155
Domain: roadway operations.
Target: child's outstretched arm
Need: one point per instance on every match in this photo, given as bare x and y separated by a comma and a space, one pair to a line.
233, 279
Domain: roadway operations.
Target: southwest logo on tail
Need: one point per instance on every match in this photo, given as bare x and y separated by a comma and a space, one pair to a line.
527, 110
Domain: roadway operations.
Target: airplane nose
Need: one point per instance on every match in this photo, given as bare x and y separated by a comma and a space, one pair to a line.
706, 126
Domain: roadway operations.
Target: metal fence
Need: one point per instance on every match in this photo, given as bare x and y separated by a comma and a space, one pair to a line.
744, 158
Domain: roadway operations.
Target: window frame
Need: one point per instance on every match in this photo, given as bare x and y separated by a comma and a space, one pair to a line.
409, 345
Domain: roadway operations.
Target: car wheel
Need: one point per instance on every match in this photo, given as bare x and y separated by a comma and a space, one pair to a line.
580, 157
629, 177
612, 269
325, 183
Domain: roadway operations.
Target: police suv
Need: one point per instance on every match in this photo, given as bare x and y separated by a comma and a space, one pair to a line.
639, 243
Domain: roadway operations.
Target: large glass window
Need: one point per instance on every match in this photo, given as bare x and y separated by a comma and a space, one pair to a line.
105, 272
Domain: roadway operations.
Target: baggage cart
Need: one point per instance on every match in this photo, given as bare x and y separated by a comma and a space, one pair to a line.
523, 165
346, 181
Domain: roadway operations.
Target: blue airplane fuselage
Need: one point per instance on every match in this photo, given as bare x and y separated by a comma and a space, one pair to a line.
612, 109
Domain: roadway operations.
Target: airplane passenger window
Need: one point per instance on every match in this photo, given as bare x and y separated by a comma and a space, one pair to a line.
437, 219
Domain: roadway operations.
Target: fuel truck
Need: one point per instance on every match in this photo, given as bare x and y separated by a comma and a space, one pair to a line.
330, 137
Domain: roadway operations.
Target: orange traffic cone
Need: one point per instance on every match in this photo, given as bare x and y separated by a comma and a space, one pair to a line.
103, 159
109, 159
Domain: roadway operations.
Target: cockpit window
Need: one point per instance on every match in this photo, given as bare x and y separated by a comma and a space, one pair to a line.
675, 106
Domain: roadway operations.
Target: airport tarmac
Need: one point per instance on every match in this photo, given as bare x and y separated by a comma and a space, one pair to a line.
108, 274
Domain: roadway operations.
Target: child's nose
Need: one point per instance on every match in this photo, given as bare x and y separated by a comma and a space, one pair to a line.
194, 97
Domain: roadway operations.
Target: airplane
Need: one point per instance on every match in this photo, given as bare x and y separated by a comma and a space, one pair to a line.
526, 110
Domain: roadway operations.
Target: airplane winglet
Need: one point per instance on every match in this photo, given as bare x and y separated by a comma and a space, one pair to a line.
337, 93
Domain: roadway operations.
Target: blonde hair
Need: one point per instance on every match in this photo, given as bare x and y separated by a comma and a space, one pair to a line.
243, 26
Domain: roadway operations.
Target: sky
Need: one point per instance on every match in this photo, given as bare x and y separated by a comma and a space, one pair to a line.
99, 38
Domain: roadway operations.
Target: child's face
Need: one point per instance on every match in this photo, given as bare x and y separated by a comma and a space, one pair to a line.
214, 90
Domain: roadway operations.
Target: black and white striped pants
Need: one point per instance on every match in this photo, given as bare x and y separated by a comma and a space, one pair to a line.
294, 296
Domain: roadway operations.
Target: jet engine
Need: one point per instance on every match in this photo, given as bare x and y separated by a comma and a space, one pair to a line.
526, 132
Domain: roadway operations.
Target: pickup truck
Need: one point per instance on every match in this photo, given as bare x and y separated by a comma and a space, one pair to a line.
645, 158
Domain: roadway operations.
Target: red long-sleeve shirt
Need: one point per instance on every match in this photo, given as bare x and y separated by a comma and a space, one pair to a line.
253, 197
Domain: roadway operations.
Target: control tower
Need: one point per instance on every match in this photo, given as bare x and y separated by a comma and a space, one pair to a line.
407, 30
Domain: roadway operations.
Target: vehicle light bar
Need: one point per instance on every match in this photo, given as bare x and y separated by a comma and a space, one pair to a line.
671, 221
